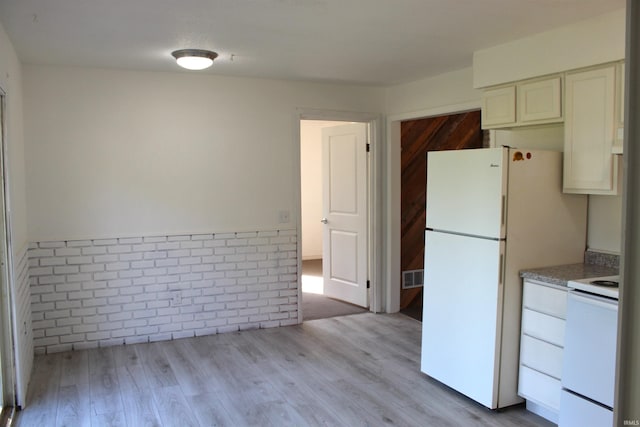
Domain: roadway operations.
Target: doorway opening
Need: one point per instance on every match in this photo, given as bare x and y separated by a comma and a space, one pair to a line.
334, 218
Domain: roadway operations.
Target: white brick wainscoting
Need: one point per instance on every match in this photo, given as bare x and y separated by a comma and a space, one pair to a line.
90, 293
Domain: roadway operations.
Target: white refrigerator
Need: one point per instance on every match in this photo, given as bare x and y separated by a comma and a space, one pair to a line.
490, 213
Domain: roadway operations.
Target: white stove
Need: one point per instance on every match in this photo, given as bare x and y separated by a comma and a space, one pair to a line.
606, 286
589, 355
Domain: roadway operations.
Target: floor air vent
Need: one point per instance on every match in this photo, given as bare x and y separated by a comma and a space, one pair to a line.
412, 279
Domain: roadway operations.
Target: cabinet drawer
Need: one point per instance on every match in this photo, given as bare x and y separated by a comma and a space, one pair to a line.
541, 356
540, 388
545, 299
542, 326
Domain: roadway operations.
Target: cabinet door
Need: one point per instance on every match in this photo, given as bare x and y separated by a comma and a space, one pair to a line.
617, 145
499, 107
589, 166
539, 101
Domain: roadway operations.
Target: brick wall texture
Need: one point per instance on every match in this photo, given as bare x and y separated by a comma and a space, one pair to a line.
101, 292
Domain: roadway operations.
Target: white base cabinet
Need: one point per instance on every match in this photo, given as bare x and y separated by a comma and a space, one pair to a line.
544, 308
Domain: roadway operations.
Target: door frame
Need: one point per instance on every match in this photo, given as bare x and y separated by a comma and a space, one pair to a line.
7, 343
374, 187
392, 195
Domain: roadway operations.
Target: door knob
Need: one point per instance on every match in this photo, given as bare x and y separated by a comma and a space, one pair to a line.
324, 220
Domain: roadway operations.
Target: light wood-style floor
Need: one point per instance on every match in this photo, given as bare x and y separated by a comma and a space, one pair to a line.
358, 370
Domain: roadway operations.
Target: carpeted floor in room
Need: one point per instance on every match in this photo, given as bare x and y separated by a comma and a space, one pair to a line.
318, 306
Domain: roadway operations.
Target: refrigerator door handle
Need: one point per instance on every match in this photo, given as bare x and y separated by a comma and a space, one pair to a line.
501, 266
504, 208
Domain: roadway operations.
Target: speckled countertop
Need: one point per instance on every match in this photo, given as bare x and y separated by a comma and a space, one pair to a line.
561, 274
596, 265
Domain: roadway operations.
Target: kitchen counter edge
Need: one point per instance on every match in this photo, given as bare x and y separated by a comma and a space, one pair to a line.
561, 274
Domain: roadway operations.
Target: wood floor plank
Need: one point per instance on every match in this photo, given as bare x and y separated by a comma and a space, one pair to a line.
157, 368
140, 409
304, 397
74, 406
358, 370
190, 376
111, 419
103, 383
42, 396
130, 371
173, 407
74, 368
34, 418
210, 410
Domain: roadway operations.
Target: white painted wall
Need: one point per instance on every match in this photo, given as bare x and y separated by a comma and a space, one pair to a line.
311, 185
585, 43
604, 232
544, 137
120, 153
437, 93
11, 84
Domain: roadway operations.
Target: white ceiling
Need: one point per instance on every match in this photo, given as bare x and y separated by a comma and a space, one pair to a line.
378, 42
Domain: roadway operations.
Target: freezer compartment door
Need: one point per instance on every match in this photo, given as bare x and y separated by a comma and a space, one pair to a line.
466, 191
462, 314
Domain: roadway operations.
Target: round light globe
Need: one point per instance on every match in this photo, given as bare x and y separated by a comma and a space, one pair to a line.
194, 59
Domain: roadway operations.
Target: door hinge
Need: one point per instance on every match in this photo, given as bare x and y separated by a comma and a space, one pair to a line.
368, 284
368, 147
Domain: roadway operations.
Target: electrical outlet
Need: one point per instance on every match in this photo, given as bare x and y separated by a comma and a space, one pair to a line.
284, 217
176, 298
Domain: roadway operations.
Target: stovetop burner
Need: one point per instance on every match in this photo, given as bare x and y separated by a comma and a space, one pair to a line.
610, 283
606, 286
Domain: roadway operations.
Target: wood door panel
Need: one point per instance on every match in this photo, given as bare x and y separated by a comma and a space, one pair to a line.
452, 132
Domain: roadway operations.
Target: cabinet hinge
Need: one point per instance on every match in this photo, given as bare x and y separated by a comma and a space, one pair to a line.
368, 147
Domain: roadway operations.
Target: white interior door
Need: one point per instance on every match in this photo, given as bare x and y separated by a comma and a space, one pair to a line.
345, 214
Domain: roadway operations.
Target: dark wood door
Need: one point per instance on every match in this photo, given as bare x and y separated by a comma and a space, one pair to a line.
451, 132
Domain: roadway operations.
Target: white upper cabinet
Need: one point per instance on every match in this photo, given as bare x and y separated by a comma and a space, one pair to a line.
499, 107
589, 166
539, 101
524, 103
619, 136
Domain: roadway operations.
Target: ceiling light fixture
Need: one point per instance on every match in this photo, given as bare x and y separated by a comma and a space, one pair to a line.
194, 59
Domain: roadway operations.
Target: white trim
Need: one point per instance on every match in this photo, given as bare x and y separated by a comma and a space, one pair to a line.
627, 387
7, 311
377, 291
436, 111
182, 232
392, 234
